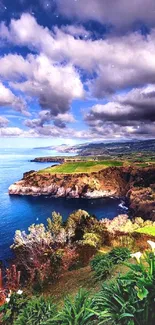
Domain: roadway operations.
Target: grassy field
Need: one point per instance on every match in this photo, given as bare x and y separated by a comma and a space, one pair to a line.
149, 230
81, 167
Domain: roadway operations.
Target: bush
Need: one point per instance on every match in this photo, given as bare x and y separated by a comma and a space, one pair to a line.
37, 312
102, 264
91, 239
119, 254
130, 300
77, 223
10, 310
76, 311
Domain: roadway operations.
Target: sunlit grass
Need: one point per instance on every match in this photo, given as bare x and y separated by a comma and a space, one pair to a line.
149, 230
81, 167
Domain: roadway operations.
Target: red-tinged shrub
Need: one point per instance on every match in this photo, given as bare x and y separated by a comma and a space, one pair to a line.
43, 254
86, 252
13, 278
9, 282
69, 258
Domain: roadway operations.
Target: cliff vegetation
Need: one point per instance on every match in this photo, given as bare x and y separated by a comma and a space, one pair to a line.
83, 271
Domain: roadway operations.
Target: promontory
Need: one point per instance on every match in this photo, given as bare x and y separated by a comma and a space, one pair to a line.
100, 179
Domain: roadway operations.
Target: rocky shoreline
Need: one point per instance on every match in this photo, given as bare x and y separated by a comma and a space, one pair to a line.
94, 185
49, 159
136, 184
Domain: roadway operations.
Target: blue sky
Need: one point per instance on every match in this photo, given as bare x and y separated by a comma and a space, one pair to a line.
73, 71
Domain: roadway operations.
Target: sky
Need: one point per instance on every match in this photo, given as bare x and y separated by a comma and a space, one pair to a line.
74, 71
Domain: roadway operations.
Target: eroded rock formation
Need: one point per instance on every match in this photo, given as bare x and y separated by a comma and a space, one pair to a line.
137, 184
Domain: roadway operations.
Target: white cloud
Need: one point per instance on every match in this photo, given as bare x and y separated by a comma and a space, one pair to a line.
131, 114
54, 76
7, 98
10, 131
55, 86
118, 62
120, 13
3, 121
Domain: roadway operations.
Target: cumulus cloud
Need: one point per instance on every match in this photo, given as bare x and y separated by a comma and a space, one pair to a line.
132, 114
76, 30
54, 85
104, 58
66, 62
10, 131
3, 121
121, 13
7, 98
46, 117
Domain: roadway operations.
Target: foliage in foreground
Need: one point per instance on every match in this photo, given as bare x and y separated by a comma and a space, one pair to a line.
76, 312
12, 307
37, 312
103, 264
130, 300
9, 281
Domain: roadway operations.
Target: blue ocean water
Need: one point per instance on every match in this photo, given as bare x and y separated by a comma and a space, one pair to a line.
20, 212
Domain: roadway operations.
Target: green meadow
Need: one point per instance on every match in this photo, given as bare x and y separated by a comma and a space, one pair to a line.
81, 167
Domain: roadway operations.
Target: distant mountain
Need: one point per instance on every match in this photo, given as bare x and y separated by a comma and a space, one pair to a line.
100, 148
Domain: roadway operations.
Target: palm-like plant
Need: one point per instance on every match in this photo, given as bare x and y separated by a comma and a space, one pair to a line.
37, 312
76, 312
130, 300
116, 304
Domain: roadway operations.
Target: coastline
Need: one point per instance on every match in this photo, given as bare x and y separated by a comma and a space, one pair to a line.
137, 185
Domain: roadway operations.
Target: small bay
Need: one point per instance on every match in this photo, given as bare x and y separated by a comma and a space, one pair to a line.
19, 212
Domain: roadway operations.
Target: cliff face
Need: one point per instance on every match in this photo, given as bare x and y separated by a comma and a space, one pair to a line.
108, 182
135, 183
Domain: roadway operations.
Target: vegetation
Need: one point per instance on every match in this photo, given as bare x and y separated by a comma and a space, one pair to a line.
37, 311
60, 255
103, 264
81, 167
9, 311
76, 312
150, 230
130, 300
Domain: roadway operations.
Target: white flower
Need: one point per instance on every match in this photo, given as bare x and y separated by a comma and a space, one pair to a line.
152, 244
137, 256
10, 293
19, 292
7, 300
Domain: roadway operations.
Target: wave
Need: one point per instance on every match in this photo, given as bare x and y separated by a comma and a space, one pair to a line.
123, 206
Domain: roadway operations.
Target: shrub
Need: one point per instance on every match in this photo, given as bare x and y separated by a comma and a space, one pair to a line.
43, 254
9, 281
55, 225
130, 300
91, 239
76, 311
37, 312
77, 223
102, 265
10, 310
119, 254
32, 252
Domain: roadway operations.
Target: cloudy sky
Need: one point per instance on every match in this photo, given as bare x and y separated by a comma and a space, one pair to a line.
77, 70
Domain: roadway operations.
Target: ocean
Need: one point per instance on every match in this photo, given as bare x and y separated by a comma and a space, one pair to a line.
18, 213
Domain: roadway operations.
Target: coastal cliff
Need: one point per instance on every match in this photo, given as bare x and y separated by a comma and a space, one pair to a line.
137, 184
108, 182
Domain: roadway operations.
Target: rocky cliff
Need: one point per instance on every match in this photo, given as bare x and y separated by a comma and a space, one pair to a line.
137, 184
108, 182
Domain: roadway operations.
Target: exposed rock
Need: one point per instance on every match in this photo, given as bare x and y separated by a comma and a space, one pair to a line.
27, 174
137, 184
